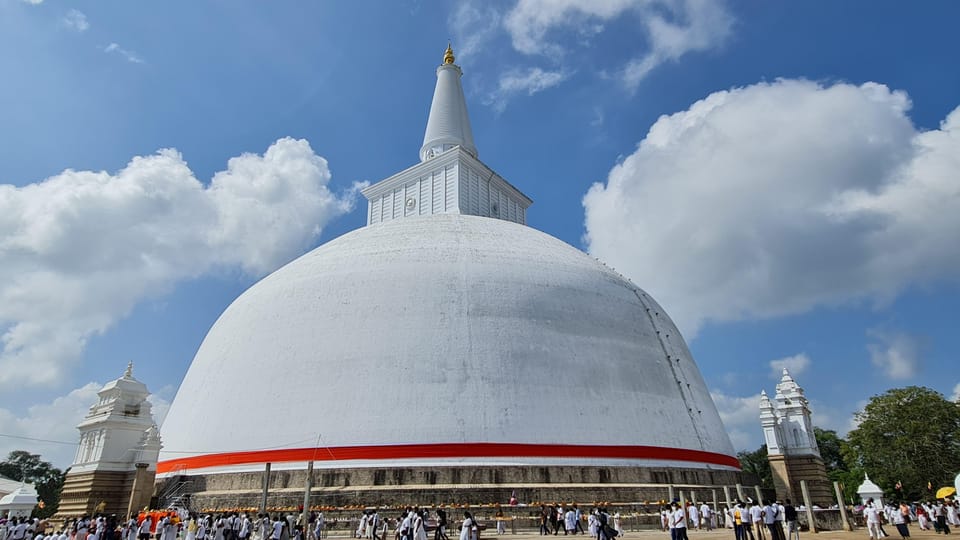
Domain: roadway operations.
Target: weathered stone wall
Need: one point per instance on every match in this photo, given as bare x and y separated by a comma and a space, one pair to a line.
83, 492
826, 520
788, 471
455, 485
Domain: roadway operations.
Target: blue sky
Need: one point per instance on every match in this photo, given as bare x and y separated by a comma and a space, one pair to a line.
783, 178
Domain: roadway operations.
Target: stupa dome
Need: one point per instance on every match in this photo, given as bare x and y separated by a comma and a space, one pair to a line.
443, 340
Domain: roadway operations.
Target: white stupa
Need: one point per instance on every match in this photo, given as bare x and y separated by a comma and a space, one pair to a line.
20, 502
445, 333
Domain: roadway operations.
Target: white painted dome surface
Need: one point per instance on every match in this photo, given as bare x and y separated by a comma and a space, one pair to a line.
447, 339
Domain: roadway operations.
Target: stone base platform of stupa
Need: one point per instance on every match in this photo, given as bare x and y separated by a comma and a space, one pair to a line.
389, 487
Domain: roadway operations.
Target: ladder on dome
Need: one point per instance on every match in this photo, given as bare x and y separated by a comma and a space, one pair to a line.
176, 491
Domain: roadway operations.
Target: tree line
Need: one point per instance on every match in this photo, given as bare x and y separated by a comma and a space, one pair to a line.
22, 466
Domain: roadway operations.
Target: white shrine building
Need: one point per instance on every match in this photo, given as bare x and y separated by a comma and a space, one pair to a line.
116, 461
791, 445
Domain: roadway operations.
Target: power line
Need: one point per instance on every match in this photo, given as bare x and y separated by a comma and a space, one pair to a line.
7, 435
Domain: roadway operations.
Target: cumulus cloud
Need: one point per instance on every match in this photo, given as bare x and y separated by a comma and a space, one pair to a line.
896, 355
76, 20
956, 393
49, 429
127, 54
553, 30
527, 82
82, 248
795, 364
779, 197
741, 418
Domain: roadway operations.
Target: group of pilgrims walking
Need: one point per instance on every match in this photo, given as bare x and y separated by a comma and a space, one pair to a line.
937, 515
749, 521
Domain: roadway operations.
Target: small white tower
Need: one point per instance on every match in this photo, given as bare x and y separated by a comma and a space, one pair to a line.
787, 426
791, 444
118, 441
869, 490
449, 179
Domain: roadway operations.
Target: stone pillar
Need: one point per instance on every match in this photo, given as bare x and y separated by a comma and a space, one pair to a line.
306, 498
669, 494
726, 496
740, 496
806, 502
843, 507
140, 485
266, 488
756, 489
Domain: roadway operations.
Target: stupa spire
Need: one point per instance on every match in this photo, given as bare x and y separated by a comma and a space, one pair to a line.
449, 124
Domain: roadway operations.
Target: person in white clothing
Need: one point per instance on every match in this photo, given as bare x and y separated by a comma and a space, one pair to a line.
277, 528
705, 516
952, 514
570, 521
318, 526
781, 519
756, 518
872, 516
143, 532
679, 521
769, 513
694, 513
470, 529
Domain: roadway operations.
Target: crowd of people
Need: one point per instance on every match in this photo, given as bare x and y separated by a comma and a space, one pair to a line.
749, 521
937, 515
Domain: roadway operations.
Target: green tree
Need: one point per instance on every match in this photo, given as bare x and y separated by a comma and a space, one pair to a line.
48, 480
909, 435
756, 462
831, 449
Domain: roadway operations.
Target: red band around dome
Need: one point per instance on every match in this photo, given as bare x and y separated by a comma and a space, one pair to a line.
447, 451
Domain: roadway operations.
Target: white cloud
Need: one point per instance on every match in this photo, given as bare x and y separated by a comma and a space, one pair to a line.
129, 55
896, 354
741, 418
76, 20
474, 24
54, 422
688, 26
562, 33
956, 393
779, 197
795, 364
527, 82
672, 28
82, 248
34, 2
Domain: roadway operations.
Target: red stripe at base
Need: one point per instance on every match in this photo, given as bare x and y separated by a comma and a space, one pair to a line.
448, 450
